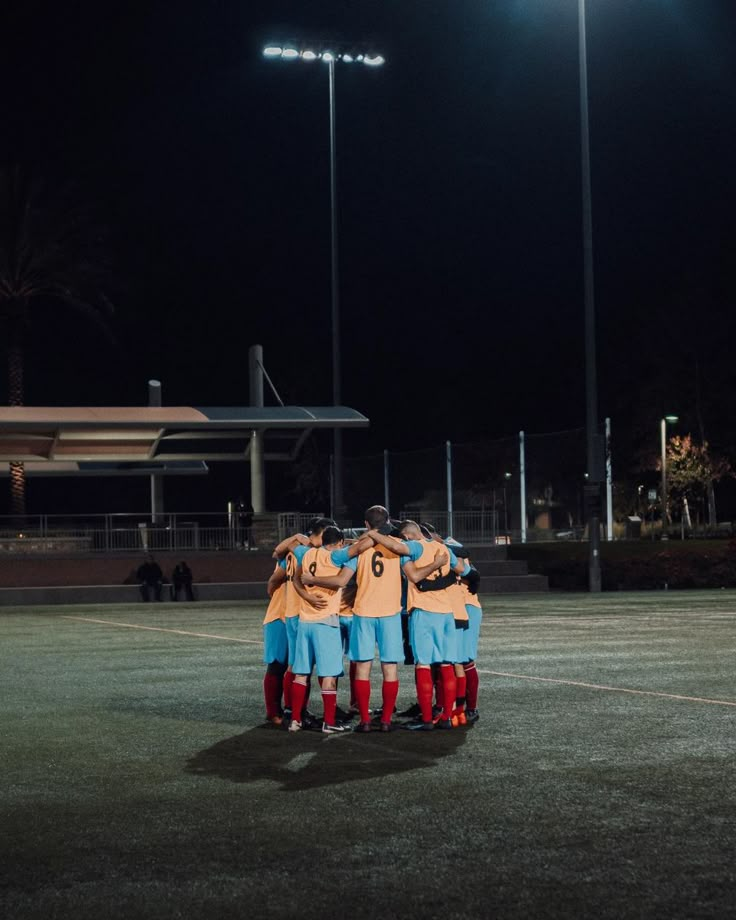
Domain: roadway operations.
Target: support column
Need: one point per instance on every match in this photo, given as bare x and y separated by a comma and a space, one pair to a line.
157, 482
257, 470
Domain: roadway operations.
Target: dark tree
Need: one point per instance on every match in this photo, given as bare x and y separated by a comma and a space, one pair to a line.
51, 256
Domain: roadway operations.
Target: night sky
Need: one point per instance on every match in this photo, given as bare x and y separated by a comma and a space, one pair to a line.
459, 207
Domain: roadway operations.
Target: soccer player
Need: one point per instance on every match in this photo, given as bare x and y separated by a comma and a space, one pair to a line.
467, 695
275, 645
318, 641
377, 615
292, 549
432, 625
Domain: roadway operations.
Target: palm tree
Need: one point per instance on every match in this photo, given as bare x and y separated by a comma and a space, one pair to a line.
50, 252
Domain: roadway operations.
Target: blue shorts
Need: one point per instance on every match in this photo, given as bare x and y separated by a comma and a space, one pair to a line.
433, 637
292, 631
369, 632
473, 632
320, 645
346, 627
275, 645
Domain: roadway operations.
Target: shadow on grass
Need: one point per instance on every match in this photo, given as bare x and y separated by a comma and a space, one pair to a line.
310, 759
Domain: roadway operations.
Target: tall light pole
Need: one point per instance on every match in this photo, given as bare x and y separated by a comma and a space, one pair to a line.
672, 419
594, 452
330, 56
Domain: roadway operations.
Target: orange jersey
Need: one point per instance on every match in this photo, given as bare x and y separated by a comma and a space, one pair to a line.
293, 561
277, 605
318, 563
432, 601
379, 583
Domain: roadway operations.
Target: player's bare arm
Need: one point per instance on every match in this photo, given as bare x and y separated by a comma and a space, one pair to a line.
313, 600
398, 547
276, 580
360, 546
328, 581
288, 544
416, 573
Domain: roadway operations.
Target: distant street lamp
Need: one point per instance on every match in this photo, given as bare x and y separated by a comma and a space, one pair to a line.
668, 419
330, 55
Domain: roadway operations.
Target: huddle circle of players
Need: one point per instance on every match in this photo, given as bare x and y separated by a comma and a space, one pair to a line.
400, 589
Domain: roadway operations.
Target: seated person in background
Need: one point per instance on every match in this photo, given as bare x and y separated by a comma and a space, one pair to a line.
181, 577
151, 577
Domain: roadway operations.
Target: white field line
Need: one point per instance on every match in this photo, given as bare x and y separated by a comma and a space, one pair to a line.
179, 632
578, 683
546, 680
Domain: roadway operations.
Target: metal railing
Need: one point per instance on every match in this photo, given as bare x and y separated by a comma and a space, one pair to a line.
51, 534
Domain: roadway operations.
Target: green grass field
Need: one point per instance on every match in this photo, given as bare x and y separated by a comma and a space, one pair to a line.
138, 781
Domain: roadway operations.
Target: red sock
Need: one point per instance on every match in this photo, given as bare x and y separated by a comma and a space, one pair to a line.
288, 683
389, 693
272, 694
449, 690
306, 697
424, 692
329, 701
298, 695
363, 699
353, 698
319, 680
471, 687
461, 688
437, 680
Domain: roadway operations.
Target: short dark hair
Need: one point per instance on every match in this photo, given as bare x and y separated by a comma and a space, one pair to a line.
376, 516
332, 535
318, 524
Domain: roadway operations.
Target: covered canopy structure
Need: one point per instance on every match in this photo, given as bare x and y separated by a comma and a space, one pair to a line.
160, 440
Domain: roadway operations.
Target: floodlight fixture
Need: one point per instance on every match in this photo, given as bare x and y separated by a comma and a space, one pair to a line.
272, 51
289, 54
374, 60
672, 419
348, 58
309, 55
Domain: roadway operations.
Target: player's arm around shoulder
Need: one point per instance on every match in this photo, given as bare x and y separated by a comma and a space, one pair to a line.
397, 547
288, 544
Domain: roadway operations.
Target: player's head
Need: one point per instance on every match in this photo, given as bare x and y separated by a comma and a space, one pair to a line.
376, 516
316, 528
410, 530
430, 532
332, 536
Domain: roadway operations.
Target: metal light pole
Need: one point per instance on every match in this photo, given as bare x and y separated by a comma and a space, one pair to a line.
593, 446
338, 496
330, 57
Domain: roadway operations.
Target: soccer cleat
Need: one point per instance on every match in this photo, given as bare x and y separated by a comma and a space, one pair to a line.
462, 719
334, 729
342, 716
455, 721
362, 727
386, 727
274, 720
471, 715
295, 726
419, 726
310, 721
413, 712
444, 723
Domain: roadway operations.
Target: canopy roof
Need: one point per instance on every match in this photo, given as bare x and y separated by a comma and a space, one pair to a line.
140, 434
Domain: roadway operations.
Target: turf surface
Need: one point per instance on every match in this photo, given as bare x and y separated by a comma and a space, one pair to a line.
138, 781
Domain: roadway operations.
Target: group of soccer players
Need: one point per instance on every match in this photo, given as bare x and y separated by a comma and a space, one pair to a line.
399, 589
